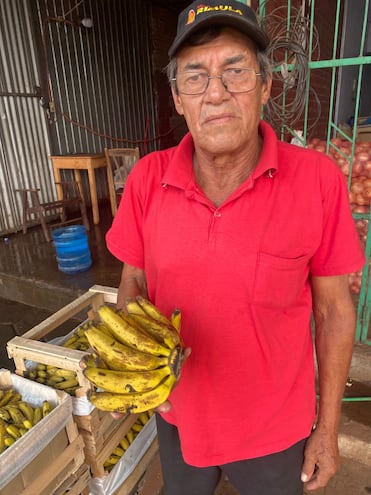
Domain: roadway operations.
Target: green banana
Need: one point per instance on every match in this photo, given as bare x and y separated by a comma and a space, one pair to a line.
121, 382
118, 356
128, 335
133, 403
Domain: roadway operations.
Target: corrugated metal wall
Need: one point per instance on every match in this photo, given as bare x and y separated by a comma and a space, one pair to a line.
98, 81
23, 130
100, 78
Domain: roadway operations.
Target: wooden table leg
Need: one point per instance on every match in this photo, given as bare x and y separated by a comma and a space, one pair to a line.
93, 195
57, 178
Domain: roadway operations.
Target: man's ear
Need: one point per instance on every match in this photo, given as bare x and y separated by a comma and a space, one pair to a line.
266, 90
177, 102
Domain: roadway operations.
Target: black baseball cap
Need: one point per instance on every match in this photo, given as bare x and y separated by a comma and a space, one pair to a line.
230, 13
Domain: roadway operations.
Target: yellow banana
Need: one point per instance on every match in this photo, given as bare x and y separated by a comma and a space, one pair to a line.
123, 382
133, 307
46, 408
41, 367
3, 434
53, 379
111, 461
65, 373
119, 451
143, 417
51, 369
27, 425
38, 415
151, 310
7, 395
93, 361
4, 415
66, 384
133, 403
137, 427
118, 356
124, 443
9, 441
27, 410
71, 340
130, 436
15, 414
176, 360
31, 374
13, 431
176, 319
15, 398
126, 334
161, 331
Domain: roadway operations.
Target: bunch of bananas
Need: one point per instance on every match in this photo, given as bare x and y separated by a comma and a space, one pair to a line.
52, 376
128, 439
142, 355
59, 378
18, 416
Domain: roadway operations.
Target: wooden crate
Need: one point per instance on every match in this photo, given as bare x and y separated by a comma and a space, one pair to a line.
28, 347
77, 483
49, 453
100, 443
130, 473
53, 466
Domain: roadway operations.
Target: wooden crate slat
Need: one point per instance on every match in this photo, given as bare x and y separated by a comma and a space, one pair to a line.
96, 455
77, 483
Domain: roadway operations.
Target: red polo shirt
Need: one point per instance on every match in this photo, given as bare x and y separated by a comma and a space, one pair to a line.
239, 273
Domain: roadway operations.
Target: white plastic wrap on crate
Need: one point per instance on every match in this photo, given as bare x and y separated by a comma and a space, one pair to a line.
129, 461
16, 457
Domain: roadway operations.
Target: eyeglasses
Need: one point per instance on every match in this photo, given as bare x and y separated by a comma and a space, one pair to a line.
234, 79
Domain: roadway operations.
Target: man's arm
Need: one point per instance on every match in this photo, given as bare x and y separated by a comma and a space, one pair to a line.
334, 317
133, 283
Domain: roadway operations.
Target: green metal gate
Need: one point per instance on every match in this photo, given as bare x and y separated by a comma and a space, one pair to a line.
321, 98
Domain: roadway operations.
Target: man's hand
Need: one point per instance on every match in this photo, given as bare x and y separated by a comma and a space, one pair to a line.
321, 458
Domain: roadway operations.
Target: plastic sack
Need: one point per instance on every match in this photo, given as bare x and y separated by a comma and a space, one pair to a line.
128, 462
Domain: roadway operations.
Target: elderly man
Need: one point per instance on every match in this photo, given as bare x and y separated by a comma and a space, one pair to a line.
249, 237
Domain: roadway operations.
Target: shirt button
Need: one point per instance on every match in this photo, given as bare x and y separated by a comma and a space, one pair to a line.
217, 214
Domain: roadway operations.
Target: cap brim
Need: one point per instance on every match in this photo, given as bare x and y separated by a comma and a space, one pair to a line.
251, 30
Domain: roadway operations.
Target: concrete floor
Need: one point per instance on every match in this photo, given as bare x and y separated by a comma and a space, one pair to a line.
32, 288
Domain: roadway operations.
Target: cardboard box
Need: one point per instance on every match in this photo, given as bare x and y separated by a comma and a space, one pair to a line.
364, 133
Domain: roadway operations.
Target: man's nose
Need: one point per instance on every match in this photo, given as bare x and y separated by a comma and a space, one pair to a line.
216, 87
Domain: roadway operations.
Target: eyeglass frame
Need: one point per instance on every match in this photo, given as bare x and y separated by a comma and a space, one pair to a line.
257, 74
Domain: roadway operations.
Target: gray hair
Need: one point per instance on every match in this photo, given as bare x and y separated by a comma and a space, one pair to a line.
207, 35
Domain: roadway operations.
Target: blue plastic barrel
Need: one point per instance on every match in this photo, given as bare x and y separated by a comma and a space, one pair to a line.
72, 247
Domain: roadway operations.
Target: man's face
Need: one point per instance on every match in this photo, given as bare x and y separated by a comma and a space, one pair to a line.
222, 122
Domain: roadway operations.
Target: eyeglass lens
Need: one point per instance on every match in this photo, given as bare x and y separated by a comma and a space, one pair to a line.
235, 80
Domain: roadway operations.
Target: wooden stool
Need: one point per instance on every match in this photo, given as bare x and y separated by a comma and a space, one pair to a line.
71, 198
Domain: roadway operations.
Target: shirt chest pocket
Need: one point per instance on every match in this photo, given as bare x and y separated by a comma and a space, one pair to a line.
279, 281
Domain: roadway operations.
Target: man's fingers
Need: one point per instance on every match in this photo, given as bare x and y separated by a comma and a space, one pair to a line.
164, 408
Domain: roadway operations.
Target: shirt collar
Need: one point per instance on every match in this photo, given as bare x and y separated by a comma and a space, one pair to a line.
179, 172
